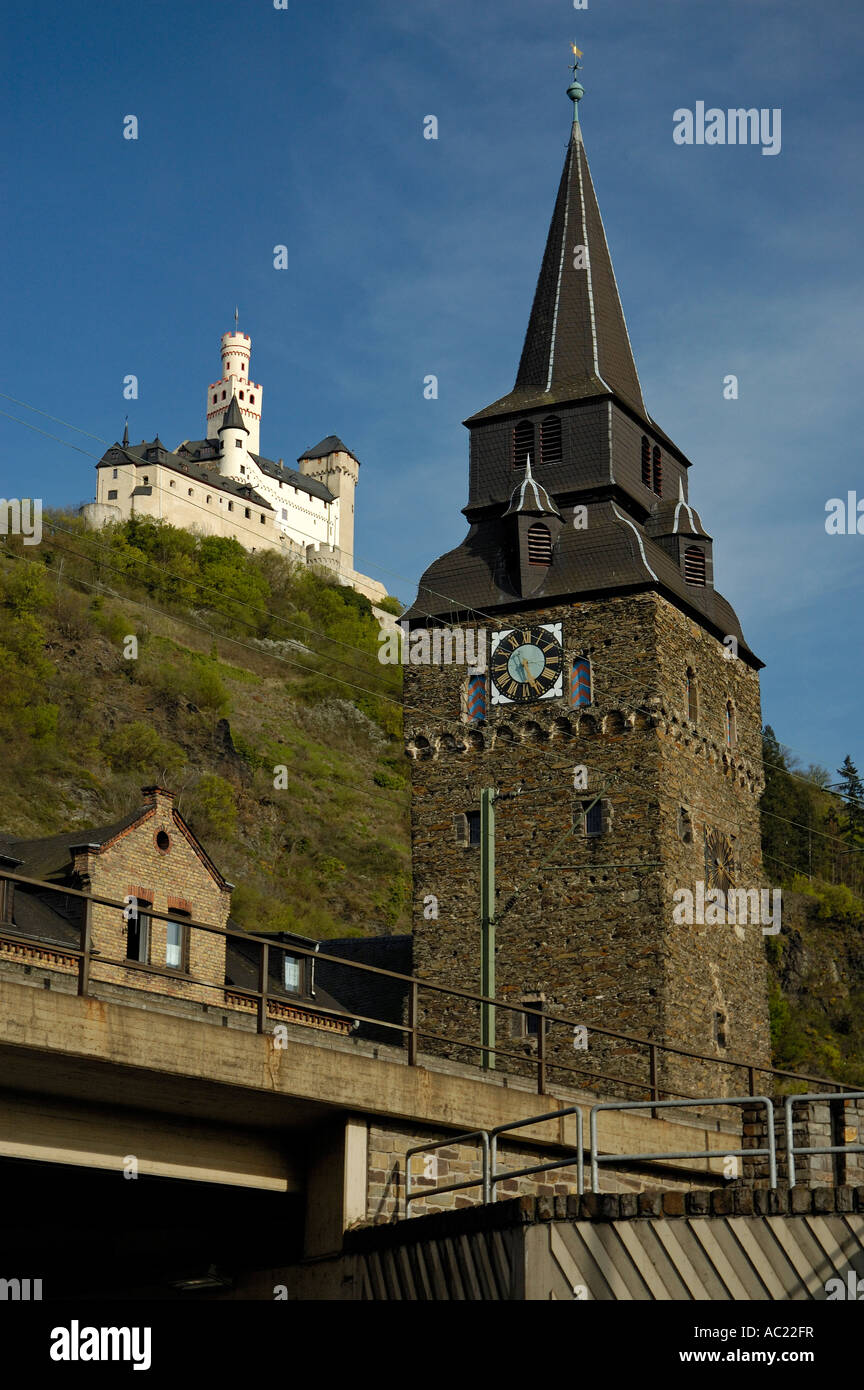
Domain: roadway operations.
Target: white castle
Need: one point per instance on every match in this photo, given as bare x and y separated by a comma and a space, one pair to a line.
222, 486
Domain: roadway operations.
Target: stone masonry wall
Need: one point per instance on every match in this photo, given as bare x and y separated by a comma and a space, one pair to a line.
592, 932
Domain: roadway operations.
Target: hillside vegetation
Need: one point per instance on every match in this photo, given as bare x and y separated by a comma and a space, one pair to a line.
251, 688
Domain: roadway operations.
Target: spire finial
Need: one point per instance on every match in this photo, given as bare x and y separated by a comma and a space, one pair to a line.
576, 91
236, 318
126, 431
529, 477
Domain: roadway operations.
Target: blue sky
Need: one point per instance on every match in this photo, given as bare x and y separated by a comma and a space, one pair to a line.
303, 127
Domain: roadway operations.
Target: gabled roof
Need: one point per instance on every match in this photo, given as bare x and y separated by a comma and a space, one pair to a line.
190, 464
312, 486
331, 445
577, 345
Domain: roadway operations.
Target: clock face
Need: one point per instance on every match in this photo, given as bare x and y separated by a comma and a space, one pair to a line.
527, 663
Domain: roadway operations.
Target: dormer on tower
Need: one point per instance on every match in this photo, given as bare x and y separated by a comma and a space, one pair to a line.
236, 352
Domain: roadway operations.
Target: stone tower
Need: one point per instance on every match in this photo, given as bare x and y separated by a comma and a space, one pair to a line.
236, 352
616, 713
334, 465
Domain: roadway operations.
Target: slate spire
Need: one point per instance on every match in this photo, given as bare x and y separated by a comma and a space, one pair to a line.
577, 343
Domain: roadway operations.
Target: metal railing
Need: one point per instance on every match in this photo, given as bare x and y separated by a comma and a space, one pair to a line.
503, 1174
617, 1159
813, 1098
407, 1034
482, 1181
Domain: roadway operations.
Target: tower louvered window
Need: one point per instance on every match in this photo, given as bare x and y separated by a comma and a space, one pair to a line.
551, 441
580, 682
539, 545
523, 442
657, 470
646, 462
694, 565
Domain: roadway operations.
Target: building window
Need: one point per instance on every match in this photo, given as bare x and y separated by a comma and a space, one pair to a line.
691, 695
721, 1036
145, 481
242, 397
171, 482
685, 825
729, 722
523, 442
208, 498
291, 974
230, 506
657, 470
534, 1020
591, 817
247, 512
214, 398
284, 511
466, 826
551, 440
539, 544
580, 681
163, 841
263, 519
190, 493
476, 698
138, 934
694, 565
223, 395
238, 444
251, 400
112, 493
113, 472
646, 462
176, 940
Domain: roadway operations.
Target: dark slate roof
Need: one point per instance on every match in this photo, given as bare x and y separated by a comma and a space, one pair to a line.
577, 346
54, 919
232, 419
312, 486
675, 519
531, 497
613, 554
189, 464
51, 856
241, 970
373, 996
331, 445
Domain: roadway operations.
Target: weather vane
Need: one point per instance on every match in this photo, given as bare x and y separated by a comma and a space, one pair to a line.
575, 91
577, 53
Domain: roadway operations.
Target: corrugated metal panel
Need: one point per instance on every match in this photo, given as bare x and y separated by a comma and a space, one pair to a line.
482, 1266
752, 1258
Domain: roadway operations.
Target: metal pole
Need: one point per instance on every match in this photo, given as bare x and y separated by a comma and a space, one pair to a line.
487, 924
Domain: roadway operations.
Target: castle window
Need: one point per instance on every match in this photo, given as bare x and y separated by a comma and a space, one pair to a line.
189, 492
113, 472
251, 400
466, 826
551, 443
214, 397
263, 518
112, 494
528, 1025
694, 565
208, 499
246, 512
523, 442
476, 698
691, 695
242, 397
657, 470
646, 462
580, 681
138, 934
223, 395
539, 544
291, 977
238, 444
230, 506
592, 817
720, 1033
145, 481
729, 722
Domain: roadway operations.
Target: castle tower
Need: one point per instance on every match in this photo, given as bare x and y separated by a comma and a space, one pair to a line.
236, 352
617, 714
234, 441
333, 464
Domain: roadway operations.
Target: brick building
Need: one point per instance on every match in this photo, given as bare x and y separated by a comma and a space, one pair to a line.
616, 711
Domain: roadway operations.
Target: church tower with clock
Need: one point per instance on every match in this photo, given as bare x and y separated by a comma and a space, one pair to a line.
616, 714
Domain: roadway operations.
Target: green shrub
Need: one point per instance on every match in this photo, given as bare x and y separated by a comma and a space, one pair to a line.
137, 747
213, 808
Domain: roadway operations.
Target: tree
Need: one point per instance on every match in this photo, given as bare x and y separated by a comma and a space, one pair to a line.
852, 790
